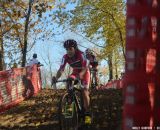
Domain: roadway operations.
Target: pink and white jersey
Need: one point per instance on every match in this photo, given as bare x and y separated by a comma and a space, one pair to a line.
92, 61
77, 62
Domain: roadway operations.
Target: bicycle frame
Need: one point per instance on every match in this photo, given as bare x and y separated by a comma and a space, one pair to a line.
71, 90
77, 107
93, 78
78, 103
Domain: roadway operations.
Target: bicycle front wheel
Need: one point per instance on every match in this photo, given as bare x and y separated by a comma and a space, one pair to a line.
68, 117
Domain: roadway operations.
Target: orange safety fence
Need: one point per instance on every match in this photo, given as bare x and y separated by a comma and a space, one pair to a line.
18, 84
141, 109
117, 84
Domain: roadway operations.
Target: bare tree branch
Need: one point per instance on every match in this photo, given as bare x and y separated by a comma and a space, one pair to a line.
86, 38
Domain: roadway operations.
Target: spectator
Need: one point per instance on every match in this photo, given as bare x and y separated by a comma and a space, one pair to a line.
33, 61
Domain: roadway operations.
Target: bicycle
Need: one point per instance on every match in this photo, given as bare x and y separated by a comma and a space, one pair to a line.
93, 83
72, 118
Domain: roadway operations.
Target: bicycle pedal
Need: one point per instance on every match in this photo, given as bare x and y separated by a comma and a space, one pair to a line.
67, 115
87, 120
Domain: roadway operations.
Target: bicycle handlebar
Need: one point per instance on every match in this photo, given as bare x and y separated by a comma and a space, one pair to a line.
63, 80
92, 69
40, 65
66, 80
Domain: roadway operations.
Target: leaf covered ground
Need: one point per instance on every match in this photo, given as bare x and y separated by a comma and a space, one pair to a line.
41, 111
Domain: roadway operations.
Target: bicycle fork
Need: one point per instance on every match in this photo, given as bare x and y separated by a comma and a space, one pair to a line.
69, 108
79, 104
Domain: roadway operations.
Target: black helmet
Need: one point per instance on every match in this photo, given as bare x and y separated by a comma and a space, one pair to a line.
88, 51
34, 55
70, 43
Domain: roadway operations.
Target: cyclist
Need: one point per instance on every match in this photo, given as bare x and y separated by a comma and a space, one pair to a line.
76, 59
93, 63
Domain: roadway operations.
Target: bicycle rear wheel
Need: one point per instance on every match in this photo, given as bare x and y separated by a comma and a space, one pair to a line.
67, 120
92, 84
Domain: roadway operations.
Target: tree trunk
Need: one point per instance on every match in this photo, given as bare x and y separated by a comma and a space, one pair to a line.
110, 64
116, 71
1, 54
120, 36
24, 50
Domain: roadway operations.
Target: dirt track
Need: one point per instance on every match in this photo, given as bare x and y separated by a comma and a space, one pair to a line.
40, 112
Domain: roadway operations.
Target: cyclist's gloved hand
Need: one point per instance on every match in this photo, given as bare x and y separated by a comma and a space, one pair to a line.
54, 80
71, 80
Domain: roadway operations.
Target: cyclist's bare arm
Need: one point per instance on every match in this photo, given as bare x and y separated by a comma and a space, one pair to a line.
59, 73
